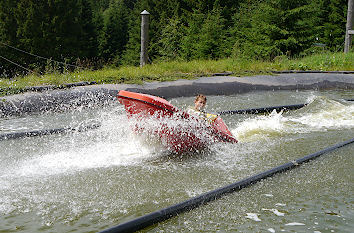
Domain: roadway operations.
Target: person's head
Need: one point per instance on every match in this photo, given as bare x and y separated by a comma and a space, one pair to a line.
200, 102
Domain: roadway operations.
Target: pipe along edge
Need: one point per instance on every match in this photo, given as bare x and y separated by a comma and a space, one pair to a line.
263, 110
266, 109
35, 133
169, 212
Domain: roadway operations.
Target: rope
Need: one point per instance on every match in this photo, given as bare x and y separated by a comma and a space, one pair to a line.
169, 212
31, 71
40, 56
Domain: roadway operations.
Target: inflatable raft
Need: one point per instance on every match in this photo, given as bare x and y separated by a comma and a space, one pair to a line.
176, 129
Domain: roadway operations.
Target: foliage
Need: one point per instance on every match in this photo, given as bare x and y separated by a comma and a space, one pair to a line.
172, 70
108, 31
332, 19
170, 41
272, 28
114, 33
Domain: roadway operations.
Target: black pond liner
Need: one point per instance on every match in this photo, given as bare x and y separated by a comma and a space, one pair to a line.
169, 212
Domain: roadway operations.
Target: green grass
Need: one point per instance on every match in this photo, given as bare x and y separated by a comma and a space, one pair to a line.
173, 70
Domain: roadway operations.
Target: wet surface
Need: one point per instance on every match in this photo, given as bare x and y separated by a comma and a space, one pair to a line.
93, 180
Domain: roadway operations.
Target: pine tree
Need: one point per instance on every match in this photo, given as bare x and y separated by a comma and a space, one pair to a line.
179, 29
88, 36
332, 19
189, 43
171, 36
8, 26
50, 29
212, 38
274, 27
115, 31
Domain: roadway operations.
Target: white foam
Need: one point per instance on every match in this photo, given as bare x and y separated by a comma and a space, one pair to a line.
275, 211
101, 154
253, 216
333, 118
268, 195
321, 115
295, 224
261, 125
194, 193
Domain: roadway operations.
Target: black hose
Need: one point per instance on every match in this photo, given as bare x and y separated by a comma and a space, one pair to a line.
266, 109
35, 133
262, 110
169, 212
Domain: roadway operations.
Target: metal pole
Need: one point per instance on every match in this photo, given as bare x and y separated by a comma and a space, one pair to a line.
348, 31
144, 37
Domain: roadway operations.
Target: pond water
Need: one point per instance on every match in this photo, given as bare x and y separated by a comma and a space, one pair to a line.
90, 181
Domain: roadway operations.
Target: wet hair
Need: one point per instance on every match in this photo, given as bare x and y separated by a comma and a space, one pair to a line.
200, 96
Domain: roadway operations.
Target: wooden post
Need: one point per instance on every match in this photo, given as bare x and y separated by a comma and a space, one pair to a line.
144, 37
348, 31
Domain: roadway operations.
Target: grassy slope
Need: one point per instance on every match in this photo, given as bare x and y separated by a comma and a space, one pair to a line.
167, 71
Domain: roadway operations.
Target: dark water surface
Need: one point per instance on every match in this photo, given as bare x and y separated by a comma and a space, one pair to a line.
90, 181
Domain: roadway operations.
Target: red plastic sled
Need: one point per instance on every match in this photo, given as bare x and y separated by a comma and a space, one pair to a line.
178, 130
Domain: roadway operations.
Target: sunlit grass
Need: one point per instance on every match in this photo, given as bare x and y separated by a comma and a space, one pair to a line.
173, 70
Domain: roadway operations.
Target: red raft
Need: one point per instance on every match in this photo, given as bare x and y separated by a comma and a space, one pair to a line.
176, 129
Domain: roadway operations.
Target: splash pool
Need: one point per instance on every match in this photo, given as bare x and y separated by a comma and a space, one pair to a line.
90, 181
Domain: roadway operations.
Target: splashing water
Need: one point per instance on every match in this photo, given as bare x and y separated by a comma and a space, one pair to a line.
321, 114
325, 114
260, 127
87, 181
253, 216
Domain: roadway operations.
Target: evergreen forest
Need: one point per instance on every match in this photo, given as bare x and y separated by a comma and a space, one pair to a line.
96, 33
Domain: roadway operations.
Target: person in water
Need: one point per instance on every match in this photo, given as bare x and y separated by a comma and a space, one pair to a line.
198, 109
